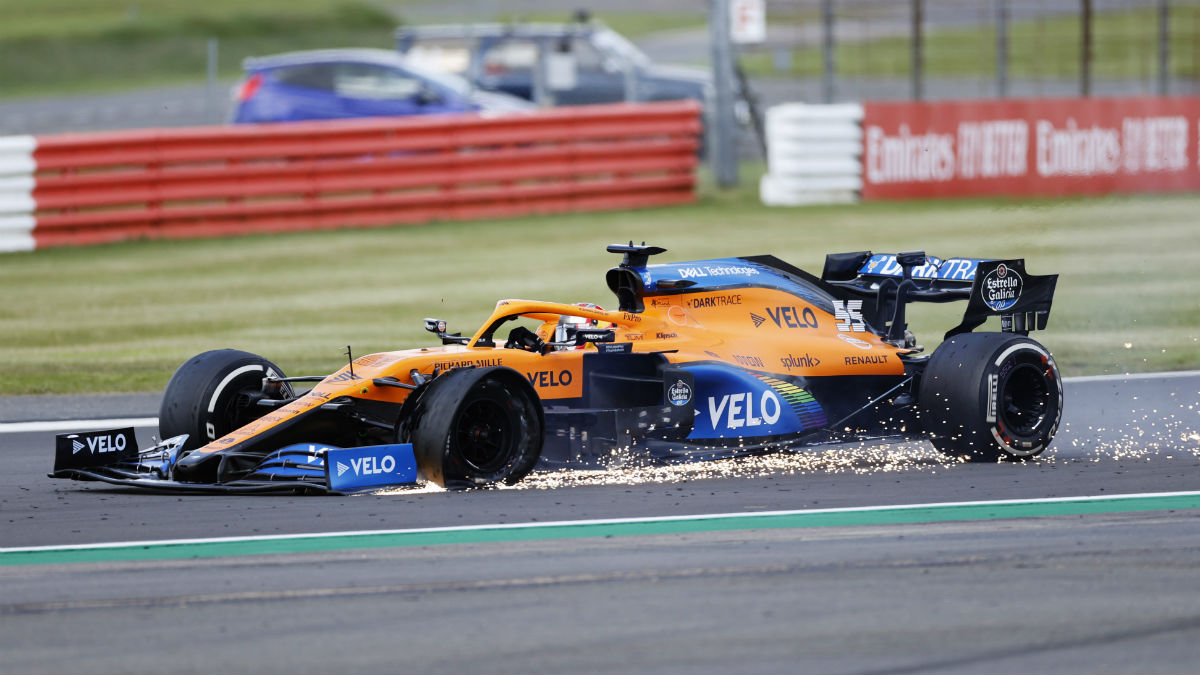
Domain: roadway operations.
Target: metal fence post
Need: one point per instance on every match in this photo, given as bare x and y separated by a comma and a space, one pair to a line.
210, 88
917, 55
1164, 47
827, 51
1085, 56
723, 152
1002, 48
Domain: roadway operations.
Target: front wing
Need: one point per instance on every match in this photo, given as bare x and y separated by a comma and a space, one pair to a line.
112, 456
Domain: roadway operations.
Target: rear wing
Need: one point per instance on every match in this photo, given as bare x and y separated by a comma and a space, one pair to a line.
991, 287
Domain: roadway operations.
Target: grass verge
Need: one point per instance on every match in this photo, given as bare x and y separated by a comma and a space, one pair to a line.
123, 317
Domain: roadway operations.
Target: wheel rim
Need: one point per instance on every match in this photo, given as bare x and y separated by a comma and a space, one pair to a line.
1026, 400
484, 435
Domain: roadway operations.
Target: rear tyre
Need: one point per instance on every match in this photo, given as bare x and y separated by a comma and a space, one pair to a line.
214, 393
988, 397
475, 427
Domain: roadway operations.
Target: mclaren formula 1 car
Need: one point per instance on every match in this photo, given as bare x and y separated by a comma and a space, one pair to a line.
699, 360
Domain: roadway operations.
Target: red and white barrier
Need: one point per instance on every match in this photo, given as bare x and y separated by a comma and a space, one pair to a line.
79, 189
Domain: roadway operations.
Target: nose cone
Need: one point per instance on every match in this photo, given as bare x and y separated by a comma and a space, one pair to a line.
197, 467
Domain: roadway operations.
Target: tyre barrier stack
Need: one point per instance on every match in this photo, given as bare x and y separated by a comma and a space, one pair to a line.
814, 154
16, 192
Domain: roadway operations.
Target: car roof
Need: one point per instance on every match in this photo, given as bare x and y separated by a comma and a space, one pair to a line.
383, 57
597, 31
512, 30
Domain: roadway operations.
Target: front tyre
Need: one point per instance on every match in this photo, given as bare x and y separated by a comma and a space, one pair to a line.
213, 393
987, 397
475, 427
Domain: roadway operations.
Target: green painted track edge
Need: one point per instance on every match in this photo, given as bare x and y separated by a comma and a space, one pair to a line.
124, 552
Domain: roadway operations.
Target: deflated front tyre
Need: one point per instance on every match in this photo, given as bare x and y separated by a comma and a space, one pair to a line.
213, 393
474, 427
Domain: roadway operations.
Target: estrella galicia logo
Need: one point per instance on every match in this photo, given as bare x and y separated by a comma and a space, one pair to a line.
347, 376
679, 394
1001, 288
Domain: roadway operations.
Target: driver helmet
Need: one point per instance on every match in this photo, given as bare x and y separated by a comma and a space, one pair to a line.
568, 326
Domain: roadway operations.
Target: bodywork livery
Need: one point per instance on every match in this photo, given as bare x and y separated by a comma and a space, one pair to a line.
699, 360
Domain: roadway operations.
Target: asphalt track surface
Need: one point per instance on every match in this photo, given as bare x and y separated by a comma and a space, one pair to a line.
786, 580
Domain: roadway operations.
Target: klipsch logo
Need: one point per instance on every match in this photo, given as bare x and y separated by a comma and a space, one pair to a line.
1001, 288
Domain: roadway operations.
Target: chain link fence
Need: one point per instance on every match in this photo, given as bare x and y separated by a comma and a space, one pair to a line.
844, 50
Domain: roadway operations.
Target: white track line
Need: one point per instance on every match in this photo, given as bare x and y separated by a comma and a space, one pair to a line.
77, 425
1134, 376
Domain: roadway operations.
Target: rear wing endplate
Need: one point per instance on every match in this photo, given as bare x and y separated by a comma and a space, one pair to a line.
991, 287
1003, 288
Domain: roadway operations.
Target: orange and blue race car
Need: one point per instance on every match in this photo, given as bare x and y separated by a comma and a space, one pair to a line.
700, 360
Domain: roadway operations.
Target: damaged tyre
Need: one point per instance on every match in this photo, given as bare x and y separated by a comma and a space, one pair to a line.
474, 427
213, 393
991, 396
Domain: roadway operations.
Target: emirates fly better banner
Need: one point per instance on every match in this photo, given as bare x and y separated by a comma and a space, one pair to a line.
1030, 147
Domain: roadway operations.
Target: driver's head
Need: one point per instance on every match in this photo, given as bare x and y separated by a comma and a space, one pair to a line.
569, 325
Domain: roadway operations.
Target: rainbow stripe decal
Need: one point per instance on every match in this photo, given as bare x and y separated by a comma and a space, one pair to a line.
810, 413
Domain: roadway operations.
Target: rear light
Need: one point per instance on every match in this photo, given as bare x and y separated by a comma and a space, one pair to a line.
249, 87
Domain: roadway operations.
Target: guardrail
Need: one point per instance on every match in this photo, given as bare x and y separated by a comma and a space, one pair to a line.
80, 189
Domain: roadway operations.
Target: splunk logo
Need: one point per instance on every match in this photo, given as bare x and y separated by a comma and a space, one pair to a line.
737, 411
368, 466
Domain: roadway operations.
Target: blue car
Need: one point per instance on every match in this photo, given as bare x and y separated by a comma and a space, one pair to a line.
345, 83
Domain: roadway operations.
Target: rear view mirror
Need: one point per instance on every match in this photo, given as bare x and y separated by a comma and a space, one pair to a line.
438, 327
